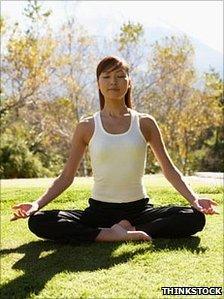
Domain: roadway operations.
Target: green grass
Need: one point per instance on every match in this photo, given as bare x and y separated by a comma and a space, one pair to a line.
33, 268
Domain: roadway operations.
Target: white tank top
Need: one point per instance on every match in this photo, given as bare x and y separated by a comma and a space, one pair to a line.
118, 162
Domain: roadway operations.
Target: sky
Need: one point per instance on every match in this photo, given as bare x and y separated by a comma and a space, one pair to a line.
200, 19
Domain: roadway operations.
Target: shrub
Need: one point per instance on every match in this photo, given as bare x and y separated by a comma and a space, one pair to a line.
17, 161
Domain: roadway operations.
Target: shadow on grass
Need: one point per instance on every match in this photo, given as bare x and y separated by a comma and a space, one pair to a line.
189, 243
44, 259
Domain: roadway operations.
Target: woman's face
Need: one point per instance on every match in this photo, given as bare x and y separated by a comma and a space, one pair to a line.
114, 84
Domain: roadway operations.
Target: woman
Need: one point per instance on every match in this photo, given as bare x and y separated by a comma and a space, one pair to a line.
119, 207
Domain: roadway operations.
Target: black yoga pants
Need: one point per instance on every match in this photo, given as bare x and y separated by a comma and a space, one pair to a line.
77, 226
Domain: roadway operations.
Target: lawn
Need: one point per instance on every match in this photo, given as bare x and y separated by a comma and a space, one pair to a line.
33, 268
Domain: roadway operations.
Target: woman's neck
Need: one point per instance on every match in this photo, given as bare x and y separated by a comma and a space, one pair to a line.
114, 109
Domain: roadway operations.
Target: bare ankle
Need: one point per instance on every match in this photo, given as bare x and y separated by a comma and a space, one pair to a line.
126, 225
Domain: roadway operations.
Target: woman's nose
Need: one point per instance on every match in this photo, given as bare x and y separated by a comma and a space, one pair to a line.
113, 80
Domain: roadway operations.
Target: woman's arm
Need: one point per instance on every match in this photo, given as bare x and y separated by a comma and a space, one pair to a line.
64, 180
153, 135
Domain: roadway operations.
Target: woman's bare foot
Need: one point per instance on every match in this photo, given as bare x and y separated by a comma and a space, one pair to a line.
132, 235
119, 233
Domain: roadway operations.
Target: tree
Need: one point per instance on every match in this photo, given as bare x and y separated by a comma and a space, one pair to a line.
211, 145
27, 63
26, 67
76, 73
128, 41
182, 111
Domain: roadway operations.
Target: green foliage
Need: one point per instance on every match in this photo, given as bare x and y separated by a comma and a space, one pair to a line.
28, 150
214, 85
34, 13
51, 161
17, 161
129, 43
130, 33
213, 153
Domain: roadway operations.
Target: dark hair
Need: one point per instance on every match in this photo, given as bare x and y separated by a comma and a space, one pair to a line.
112, 63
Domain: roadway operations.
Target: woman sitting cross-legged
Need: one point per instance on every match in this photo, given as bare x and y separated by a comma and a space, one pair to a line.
119, 208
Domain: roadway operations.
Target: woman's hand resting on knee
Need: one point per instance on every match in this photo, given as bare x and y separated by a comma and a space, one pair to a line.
24, 210
205, 205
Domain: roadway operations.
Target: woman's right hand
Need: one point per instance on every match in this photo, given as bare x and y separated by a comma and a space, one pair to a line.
24, 210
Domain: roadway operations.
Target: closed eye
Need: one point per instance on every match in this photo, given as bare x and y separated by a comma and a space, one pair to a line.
121, 76
117, 76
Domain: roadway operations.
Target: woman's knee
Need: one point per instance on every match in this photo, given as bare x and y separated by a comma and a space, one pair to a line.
34, 222
194, 220
199, 220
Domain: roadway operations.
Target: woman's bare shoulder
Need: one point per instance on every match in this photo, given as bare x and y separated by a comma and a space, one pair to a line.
86, 126
86, 120
147, 123
144, 117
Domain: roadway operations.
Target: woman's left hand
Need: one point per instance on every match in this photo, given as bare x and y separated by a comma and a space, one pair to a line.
205, 205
